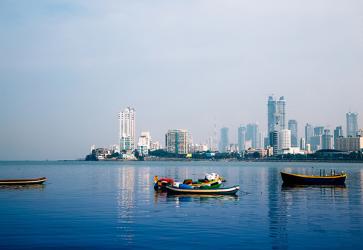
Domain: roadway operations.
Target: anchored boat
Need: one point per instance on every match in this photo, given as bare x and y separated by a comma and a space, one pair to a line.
23, 181
210, 181
336, 179
212, 191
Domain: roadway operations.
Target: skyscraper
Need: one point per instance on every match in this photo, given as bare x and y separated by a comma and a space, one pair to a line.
309, 132
276, 114
241, 138
127, 128
252, 134
292, 125
338, 132
352, 124
327, 140
224, 140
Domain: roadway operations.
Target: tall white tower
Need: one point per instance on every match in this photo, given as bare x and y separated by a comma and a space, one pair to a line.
127, 129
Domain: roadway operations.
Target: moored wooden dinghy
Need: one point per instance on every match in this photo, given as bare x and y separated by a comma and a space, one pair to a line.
300, 179
23, 181
221, 191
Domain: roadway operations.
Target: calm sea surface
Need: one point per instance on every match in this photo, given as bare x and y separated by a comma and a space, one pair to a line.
113, 205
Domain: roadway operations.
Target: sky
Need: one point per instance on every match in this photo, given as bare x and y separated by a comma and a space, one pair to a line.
68, 67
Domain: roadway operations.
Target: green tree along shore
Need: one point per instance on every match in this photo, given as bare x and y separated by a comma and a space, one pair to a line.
320, 155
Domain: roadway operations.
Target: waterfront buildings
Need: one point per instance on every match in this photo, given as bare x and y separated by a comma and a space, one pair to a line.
292, 126
127, 129
352, 124
349, 144
276, 114
178, 141
241, 138
224, 140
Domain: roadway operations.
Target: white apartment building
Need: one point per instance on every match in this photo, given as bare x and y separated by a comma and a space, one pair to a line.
284, 140
127, 129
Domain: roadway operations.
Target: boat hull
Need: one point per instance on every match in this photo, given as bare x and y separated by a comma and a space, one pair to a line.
295, 179
23, 181
221, 191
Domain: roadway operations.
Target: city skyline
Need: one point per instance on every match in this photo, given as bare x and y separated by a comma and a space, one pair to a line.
67, 69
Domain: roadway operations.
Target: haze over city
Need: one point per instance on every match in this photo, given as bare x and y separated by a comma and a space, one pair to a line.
68, 67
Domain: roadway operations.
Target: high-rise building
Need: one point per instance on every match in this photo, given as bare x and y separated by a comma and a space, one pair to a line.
127, 129
338, 132
309, 132
326, 140
252, 134
352, 124
302, 143
178, 141
274, 141
224, 140
284, 140
276, 114
292, 126
318, 131
241, 136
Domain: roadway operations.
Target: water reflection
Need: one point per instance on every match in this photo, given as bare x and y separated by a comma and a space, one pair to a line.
39, 187
277, 212
162, 196
126, 203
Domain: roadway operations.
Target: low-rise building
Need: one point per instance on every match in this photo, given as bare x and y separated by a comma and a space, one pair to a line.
349, 144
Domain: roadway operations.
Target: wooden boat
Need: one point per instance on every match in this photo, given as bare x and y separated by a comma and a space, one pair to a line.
221, 191
300, 179
161, 183
23, 181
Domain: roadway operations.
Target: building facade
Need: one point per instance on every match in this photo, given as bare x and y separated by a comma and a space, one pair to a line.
252, 134
352, 124
224, 140
292, 126
276, 114
178, 141
241, 138
327, 140
338, 132
144, 143
349, 144
127, 126
309, 132
284, 140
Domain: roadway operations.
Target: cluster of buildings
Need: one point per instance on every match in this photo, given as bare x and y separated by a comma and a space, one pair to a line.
280, 138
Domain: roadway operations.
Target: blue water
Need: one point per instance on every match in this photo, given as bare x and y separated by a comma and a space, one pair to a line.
113, 205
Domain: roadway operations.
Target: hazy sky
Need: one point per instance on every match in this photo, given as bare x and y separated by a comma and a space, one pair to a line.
68, 67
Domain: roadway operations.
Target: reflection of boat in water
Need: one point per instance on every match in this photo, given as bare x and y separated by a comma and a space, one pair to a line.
202, 191
299, 179
22, 187
34, 181
286, 187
